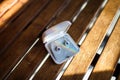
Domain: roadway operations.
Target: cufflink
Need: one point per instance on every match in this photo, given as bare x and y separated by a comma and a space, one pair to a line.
59, 43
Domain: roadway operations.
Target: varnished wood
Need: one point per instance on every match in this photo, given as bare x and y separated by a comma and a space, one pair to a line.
35, 56
75, 31
109, 58
81, 61
22, 44
25, 22
5, 5
119, 77
70, 11
20, 24
39, 51
12, 13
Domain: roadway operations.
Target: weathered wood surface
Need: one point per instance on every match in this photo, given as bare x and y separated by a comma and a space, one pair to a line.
22, 50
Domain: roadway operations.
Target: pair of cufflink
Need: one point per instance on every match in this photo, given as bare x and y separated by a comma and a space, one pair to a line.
59, 43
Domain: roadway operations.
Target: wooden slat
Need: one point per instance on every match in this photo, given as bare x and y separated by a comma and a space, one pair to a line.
5, 5
75, 31
119, 77
35, 56
9, 34
81, 61
20, 24
12, 13
22, 44
109, 58
26, 68
71, 10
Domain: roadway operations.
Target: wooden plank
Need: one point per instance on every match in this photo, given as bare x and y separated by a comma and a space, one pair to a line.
23, 20
72, 9
12, 13
23, 43
27, 66
35, 56
77, 28
106, 64
90, 45
119, 77
5, 5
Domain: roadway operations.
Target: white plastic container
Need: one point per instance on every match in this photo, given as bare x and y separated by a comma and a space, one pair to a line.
59, 43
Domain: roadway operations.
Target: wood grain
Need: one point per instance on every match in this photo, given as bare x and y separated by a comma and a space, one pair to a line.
11, 53
119, 77
109, 58
15, 28
83, 59
75, 31
22, 31
35, 56
70, 11
5, 5
12, 13
23, 43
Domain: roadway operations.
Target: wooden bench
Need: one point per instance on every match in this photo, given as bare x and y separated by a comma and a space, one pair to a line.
22, 52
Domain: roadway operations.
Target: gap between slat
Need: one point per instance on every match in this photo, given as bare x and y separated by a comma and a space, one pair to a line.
90, 25
47, 56
52, 16
74, 76
103, 44
116, 72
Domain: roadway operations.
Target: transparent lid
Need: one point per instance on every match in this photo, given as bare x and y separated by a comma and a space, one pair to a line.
54, 31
